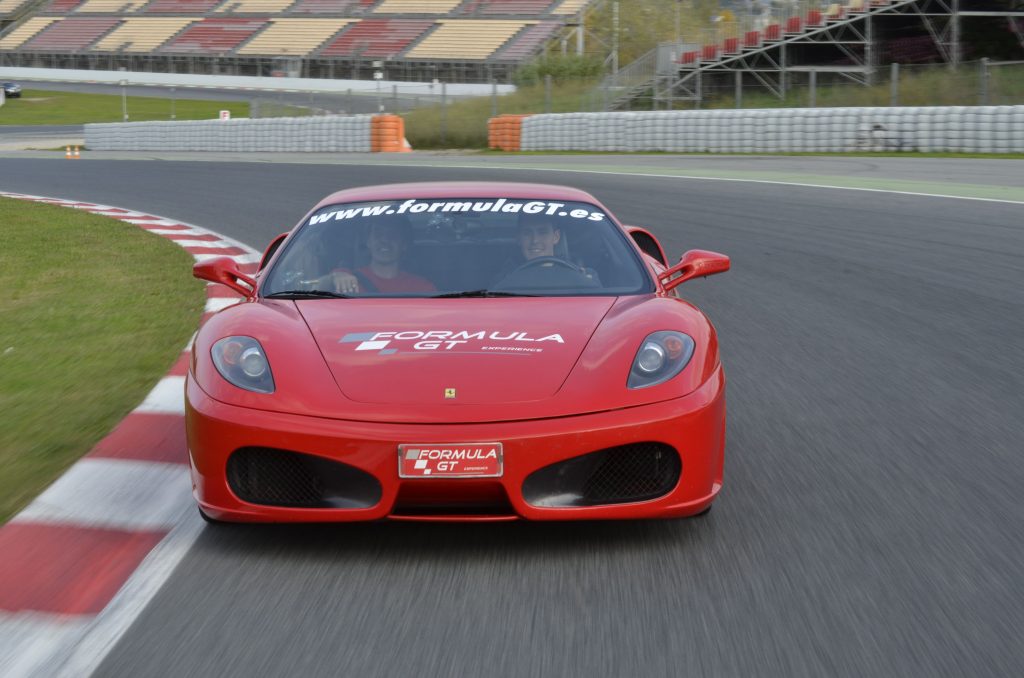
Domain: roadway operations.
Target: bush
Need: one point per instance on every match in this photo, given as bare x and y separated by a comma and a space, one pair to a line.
561, 67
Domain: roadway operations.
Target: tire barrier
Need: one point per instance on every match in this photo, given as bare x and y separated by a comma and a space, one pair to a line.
505, 132
387, 134
319, 134
932, 129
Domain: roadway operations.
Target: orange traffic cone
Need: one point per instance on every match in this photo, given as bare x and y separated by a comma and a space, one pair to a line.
77, 156
67, 153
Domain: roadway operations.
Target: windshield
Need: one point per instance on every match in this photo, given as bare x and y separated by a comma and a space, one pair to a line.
457, 247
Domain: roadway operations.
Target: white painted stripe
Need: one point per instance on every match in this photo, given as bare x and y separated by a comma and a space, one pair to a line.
85, 656
174, 231
116, 213
188, 346
29, 641
145, 222
114, 493
240, 258
196, 243
220, 303
167, 397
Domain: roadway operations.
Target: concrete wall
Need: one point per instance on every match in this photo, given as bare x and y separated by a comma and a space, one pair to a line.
246, 83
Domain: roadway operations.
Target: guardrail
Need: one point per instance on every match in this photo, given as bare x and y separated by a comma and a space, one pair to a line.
321, 134
953, 129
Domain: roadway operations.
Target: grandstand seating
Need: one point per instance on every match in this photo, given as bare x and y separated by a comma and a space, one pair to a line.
193, 7
214, 36
109, 6
421, 38
254, 7
71, 34
570, 6
25, 31
141, 35
466, 39
293, 37
10, 6
432, 7
528, 42
61, 6
506, 7
325, 7
377, 38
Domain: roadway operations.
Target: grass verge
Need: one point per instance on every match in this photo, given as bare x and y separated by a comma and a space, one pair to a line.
94, 312
43, 107
465, 120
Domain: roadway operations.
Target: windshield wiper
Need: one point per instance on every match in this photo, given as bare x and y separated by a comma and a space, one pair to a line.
306, 294
479, 293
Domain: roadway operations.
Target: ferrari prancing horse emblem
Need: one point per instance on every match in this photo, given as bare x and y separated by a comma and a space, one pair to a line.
449, 393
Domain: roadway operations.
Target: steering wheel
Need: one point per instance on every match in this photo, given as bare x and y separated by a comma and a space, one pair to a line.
546, 261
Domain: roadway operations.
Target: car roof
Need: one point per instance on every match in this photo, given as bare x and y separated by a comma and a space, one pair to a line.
458, 189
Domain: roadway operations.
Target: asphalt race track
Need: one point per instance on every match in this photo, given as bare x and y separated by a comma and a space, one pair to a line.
871, 521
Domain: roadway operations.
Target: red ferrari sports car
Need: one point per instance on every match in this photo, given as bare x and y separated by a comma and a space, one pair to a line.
457, 351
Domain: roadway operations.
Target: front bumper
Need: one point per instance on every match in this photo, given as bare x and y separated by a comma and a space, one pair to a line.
693, 425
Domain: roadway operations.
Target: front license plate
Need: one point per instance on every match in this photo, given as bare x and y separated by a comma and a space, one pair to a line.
454, 460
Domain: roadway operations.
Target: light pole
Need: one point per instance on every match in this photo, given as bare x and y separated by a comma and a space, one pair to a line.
124, 101
678, 36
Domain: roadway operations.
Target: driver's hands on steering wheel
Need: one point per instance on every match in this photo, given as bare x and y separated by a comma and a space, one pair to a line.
345, 282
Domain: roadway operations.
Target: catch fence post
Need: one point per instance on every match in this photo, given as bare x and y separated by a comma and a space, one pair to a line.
444, 113
894, 84
983, 82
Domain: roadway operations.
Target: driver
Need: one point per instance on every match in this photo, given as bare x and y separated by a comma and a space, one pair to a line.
538, 236
387, 241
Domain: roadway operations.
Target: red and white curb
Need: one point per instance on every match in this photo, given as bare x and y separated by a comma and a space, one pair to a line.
83, 559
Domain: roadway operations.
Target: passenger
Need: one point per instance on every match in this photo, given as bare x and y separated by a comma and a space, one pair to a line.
387, 241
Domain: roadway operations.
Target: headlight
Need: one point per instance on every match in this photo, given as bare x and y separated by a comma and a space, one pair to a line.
662, 355
242, 362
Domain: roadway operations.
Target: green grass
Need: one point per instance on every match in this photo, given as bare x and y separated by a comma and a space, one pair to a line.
42, 107
466, 119
94, 312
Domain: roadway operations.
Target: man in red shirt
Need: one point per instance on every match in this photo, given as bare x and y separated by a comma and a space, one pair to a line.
387, 242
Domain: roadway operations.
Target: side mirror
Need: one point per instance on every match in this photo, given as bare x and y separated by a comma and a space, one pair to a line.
224, 270
647, 243
272, 248
694, 264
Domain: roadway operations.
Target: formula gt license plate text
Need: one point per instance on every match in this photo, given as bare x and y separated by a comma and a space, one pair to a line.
450, 460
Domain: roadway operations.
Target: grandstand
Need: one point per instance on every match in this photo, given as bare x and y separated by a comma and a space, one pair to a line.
832, 42
425, 40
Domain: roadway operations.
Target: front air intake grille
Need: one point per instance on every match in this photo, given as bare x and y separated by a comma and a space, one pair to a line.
617, 475
271, 477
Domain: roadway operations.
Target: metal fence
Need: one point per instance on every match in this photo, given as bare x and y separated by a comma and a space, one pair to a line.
981, 82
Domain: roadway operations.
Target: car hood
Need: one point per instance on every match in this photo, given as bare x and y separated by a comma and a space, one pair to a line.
459, 351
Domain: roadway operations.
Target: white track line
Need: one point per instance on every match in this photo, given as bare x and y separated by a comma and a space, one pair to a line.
117, 494
167, 397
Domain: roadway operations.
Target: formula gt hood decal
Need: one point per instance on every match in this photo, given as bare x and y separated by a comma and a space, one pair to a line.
455, 351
